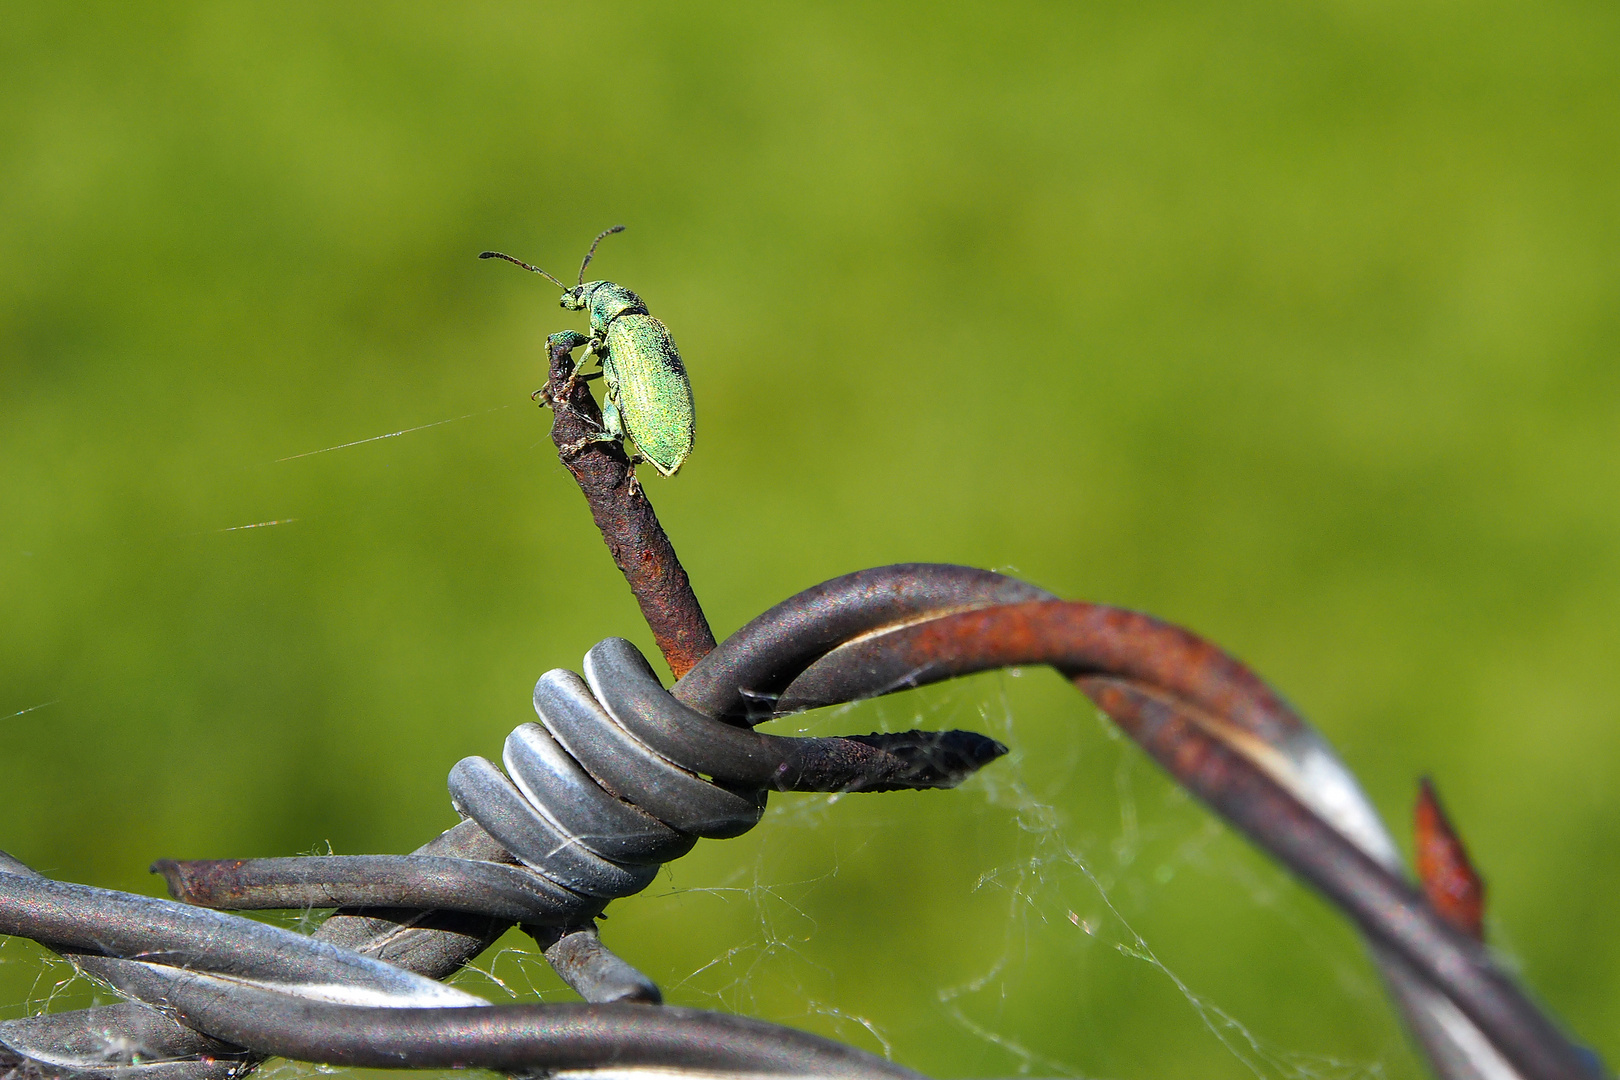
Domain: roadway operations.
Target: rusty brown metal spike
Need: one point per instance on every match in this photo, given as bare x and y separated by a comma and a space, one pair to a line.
1453, 887
637, 542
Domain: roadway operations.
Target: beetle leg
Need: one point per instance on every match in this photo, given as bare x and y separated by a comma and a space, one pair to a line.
579, 445
575, 448
612, 423
610, 430
559, 400
594, 350
549, 400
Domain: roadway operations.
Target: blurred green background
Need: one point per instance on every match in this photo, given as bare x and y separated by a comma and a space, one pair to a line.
1292, 323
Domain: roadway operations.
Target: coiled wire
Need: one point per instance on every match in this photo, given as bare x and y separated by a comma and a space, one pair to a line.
617, 777
590, 805
621, 775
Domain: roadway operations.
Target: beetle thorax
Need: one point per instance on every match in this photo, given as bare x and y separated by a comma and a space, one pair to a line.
607, 301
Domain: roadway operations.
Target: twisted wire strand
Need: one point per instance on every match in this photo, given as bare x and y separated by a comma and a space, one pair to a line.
616, 779
562, 816
1210, 721
1217, 729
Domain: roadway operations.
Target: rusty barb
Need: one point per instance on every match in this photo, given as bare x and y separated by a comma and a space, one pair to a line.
1213, 724
621, 775
634, 538
1452, 885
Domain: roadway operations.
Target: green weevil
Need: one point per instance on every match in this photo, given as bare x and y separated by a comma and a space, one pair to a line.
649, 397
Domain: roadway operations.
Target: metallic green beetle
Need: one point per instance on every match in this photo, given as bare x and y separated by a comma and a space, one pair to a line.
649, 397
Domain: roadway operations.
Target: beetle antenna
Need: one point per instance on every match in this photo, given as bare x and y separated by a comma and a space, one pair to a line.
526, 266
592, 253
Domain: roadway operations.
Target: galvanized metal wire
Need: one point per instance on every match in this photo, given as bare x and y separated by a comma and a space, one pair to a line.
620, 775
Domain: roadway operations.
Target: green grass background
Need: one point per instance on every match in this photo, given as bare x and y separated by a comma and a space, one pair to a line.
1294, 323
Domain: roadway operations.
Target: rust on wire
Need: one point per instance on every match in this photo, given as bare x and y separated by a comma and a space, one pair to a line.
1206, 718
1453, 887
639, 546
1076, 638
1209, 720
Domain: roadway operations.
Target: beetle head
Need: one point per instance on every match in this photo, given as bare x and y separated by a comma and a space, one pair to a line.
573, 299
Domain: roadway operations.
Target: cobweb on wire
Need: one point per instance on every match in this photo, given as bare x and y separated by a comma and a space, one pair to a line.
1052, 890
46, 982
1033, 922
1038, 921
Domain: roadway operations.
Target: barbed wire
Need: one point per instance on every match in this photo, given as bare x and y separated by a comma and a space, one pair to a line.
621, 775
